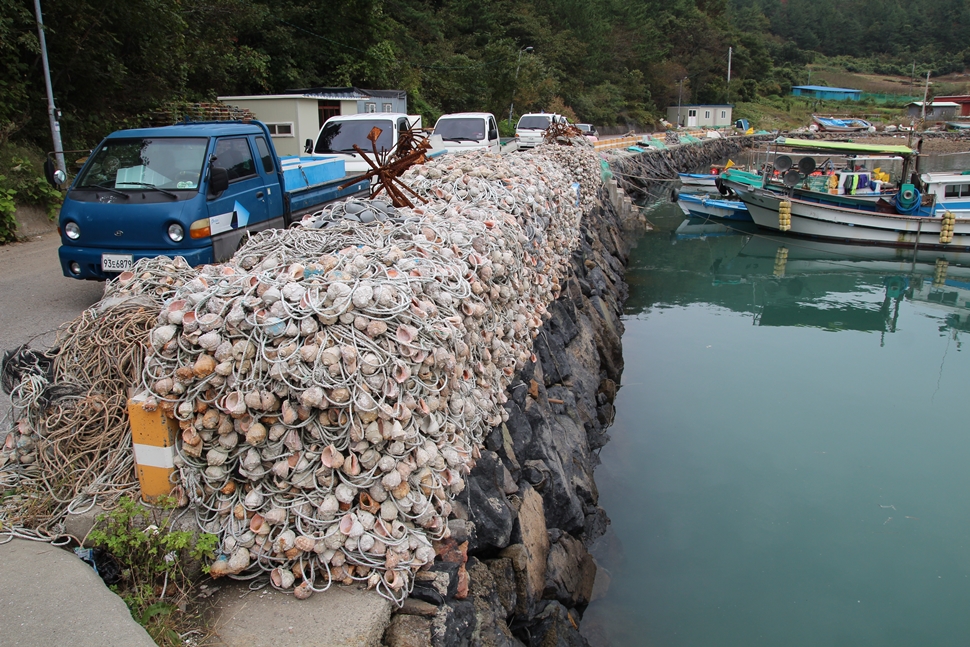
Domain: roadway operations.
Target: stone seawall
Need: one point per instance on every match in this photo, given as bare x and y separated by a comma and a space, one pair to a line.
515, 569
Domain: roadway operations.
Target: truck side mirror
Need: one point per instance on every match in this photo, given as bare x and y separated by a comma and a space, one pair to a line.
492, 134
218, 180
308, 146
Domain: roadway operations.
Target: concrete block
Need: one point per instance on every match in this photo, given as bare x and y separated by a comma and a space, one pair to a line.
342, 616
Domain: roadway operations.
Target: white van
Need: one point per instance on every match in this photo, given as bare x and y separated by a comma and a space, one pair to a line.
466, 131
532, 126
339, 134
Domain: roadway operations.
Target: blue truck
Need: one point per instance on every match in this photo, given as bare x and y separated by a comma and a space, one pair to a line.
192, 190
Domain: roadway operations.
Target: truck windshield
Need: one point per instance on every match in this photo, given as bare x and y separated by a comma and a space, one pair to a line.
146, 164
533, 123
340, 136
470, 129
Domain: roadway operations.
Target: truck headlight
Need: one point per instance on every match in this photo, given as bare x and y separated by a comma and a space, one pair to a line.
72, 231
175, 232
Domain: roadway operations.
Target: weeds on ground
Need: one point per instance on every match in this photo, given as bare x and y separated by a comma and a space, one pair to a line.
151, 555
22, 182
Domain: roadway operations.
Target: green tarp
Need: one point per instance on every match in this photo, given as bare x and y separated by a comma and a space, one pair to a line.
847, 147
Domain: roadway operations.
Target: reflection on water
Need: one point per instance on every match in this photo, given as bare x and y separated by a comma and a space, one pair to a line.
789, 461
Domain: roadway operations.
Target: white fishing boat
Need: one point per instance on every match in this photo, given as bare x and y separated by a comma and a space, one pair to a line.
697, 179
701, 205
810, 218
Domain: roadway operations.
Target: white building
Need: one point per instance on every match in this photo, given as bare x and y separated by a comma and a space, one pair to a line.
701, 115
297, 115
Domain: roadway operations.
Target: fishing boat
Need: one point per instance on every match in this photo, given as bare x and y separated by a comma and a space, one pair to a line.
951, 191
837, 125
922, 227
697, 179
958, 125
702, 205
854, 175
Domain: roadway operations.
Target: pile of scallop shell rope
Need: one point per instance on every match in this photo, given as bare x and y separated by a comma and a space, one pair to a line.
334, 381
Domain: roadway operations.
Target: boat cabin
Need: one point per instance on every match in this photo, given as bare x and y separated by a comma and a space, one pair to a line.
951, 190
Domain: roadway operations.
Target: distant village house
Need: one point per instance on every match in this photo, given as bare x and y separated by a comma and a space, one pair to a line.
701, 116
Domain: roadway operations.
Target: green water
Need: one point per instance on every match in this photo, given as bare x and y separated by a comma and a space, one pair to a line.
768, 411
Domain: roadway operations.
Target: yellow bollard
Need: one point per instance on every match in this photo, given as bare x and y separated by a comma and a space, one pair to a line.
153, 437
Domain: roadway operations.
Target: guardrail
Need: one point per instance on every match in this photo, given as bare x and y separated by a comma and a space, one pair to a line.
616, 142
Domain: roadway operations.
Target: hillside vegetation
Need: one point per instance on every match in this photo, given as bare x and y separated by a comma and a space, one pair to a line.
601, 61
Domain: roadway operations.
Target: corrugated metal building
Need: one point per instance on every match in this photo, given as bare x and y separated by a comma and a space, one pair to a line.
297, 115
962, 99
825, 92
935, 110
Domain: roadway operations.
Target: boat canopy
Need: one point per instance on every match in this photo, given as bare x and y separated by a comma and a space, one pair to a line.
846, 147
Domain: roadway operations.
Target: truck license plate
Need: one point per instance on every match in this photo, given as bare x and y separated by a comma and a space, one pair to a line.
116, 262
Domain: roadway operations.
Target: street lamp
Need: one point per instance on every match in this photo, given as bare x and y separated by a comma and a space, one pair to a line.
516, 82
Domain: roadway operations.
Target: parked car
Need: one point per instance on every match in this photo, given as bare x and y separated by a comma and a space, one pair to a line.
339, 134
589, 131
193, 190
532, 126
466, 131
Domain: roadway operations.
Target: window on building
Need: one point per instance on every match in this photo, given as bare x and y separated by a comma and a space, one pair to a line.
724, 114
234, 155
281, 129
386, 107
707, 114
327, 109
370, 106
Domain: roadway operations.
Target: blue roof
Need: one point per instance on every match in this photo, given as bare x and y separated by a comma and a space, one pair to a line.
192, 130
823, 88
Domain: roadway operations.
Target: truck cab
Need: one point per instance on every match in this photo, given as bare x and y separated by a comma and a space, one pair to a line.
339, 134
192, 190
532, 127
466, 131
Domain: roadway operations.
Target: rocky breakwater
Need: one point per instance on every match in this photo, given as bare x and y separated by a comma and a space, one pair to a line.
515, 569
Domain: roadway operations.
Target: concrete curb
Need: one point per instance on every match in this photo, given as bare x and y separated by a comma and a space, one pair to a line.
50, 597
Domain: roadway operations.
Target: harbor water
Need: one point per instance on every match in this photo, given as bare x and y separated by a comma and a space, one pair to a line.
790, 460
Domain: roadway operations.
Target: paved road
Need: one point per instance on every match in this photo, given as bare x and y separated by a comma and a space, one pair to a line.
35, 299
48, 596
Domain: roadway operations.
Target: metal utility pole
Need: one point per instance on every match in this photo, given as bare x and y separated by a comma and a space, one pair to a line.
926, 93
51, 110
516, 83
680, 95
730, 49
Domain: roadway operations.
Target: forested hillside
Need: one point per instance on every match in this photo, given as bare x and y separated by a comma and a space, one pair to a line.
606, 61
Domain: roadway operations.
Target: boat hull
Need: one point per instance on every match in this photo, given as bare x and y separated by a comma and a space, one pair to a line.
697, 179
835, 223
707, 207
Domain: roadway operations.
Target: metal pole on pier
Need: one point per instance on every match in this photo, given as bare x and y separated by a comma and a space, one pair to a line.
51, 110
